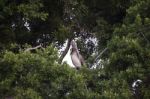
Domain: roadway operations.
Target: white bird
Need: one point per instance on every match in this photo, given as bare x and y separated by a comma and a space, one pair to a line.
77, 59
73, 57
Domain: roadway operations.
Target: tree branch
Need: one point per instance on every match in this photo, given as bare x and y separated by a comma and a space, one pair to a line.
65, 51
145, 37
102, 52
33, 48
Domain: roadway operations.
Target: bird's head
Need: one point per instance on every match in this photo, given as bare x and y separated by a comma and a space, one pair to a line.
73, 47
73, 44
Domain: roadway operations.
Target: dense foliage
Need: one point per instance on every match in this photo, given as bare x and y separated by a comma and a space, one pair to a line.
38, 75
120, 26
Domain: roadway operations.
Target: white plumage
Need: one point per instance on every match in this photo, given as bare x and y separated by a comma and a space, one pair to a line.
68, 59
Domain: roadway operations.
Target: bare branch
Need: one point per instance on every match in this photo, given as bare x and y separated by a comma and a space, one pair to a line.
102, 52
145, 37
33, 48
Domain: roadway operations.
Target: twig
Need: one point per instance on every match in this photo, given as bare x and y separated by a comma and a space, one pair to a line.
101, 54
33, 48
145, 37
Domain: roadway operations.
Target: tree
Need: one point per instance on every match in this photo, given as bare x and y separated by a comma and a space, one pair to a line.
129, 48
15, 18
119, 27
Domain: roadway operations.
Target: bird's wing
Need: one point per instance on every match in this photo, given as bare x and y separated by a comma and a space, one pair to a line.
81, 59
75, 60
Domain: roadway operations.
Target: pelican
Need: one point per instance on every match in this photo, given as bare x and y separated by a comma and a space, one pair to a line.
76, 58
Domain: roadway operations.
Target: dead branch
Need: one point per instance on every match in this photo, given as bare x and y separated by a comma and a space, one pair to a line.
102, 52
33, 48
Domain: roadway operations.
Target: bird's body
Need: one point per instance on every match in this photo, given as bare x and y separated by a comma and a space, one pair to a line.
73, 57
77, 59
